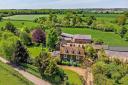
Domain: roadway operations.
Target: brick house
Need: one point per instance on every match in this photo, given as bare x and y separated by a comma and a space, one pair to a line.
72, 52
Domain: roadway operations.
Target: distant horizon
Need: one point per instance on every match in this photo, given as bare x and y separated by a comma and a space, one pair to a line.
57, 8
62, 4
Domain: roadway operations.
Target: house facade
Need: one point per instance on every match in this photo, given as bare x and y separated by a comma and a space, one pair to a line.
72, 47
72, 52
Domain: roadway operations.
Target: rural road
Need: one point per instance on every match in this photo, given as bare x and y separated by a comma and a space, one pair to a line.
30, 77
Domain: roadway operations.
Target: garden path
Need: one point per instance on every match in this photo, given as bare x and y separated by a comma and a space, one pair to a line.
30, 77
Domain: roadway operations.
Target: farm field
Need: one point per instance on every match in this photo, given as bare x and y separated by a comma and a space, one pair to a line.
27, 17
24, 17
19, 24
33, 16
109, 38
9, 77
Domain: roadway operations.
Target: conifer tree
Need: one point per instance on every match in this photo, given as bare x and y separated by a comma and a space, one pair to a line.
20, 55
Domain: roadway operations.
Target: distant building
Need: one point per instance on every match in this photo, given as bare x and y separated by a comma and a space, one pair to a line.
81, 39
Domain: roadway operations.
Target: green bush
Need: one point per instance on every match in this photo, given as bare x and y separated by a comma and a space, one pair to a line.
7, 48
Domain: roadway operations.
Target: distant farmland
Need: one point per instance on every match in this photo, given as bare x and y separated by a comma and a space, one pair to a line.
109, 38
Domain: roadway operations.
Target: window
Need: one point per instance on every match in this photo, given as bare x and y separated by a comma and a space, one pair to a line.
79, 52
73, 51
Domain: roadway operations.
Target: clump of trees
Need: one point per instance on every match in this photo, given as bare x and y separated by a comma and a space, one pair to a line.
109, 71
122, 32
121, 20
10, 27
48, 68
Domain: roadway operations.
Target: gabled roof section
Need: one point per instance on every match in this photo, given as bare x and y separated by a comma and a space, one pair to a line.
88, 37
67, 35
77, 36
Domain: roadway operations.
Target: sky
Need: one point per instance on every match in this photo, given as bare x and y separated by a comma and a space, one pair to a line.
62, 4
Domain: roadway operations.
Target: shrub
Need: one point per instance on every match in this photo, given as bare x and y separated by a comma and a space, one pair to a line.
25, 38
99, 41
10, 27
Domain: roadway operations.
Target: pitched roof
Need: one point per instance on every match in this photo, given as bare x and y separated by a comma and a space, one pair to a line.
82, 37
55, 53
72, 50
67, 35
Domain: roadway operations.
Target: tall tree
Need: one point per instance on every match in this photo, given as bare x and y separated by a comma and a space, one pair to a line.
20, 55
48, 68
52, 39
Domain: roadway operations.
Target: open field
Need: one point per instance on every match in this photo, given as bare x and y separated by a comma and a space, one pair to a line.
28, 17
24, 17
19, 24
33, 16
109, 38
10, 77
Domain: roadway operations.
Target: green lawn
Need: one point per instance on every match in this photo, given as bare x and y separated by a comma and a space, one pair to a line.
10, 77
109, 38
73, 77
34, 51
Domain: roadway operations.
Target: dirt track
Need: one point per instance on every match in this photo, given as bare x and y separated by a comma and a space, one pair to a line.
30, 77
